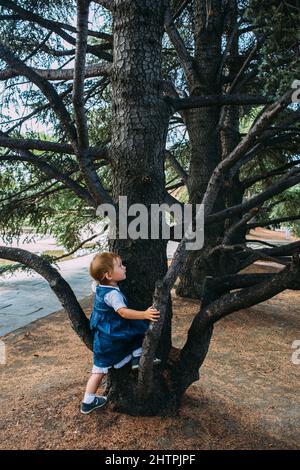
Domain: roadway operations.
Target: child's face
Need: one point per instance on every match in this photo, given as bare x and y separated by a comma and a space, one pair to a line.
119, 272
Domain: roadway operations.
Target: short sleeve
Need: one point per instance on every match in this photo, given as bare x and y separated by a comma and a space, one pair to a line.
115, 300
94, 285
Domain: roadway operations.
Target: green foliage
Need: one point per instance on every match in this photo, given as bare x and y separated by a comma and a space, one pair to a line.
21, 35
277, 23
11, 268
69, 218
28, 198
289, 205
100, 118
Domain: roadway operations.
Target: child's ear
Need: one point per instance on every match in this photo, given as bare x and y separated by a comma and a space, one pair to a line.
108, 276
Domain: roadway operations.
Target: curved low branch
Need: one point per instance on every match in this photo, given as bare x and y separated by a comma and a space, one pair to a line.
179, 10
289, 180
192, 355
253, 295
60, 287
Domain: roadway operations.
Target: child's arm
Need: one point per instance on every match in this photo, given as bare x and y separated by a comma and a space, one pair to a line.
149, 314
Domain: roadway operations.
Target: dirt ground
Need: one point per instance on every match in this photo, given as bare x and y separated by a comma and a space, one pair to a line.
247, 397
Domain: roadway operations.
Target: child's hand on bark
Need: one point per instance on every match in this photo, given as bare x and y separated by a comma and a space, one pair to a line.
152, 314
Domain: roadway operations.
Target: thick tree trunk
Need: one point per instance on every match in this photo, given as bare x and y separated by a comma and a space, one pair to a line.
140, 124
202, 125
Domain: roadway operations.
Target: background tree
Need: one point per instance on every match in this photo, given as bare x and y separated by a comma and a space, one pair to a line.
237, 49
137, 99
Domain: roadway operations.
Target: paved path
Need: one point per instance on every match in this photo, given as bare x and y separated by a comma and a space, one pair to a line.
26, 297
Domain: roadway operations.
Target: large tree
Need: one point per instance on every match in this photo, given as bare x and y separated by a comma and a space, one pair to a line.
244, 47
109, 95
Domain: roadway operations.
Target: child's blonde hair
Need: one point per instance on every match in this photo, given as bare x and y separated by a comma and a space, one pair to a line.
102, 263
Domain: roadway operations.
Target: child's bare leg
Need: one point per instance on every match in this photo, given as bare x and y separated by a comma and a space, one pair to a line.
94, 383
91, 401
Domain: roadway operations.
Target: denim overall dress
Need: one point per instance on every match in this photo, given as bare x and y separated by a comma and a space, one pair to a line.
114, 336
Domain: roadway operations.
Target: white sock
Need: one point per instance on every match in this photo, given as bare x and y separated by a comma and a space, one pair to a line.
137, 352
88, 398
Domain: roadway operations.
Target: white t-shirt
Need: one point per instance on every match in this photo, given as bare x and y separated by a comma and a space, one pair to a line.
114, 298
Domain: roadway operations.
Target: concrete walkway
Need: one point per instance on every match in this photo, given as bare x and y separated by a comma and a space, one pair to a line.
26, 297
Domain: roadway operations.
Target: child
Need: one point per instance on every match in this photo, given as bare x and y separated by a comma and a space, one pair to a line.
118, 330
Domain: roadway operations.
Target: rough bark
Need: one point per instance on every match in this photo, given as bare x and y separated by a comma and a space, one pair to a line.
202, 125
140, 117
230, 135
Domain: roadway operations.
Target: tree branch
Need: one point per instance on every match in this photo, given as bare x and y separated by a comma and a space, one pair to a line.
56, 27
85, 163
96, 153
279, 220
80, 245
46, 88
262, 242
170, 91
90, 71
79, 73
246, 143
177, 167
215, 100
60, 287
284, 183
178, 12
250, 296
277, 171
53, 173
108, 4
284, 250
195, 349
235, 82
237, 226
185, 59
162, 289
